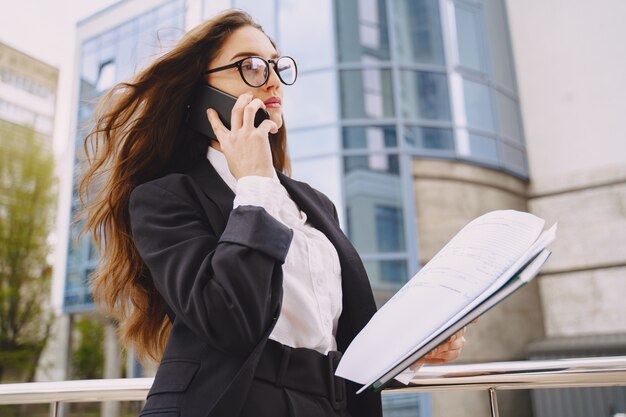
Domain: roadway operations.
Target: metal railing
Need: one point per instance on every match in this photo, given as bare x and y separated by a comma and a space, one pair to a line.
558, 373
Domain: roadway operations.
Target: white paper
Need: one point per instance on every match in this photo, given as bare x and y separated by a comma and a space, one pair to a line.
478, 255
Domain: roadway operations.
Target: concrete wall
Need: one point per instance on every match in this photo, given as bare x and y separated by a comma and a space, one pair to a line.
585, 282
570, 63
448, 195
571, 68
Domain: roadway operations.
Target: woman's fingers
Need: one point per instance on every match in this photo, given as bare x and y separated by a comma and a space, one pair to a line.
267, 126
448, 351
216, 124
236, 114
249, 112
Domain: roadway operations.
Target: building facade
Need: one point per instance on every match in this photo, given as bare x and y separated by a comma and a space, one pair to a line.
28, 90
407, 114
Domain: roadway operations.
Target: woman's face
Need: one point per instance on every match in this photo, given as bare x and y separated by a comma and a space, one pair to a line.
247, 41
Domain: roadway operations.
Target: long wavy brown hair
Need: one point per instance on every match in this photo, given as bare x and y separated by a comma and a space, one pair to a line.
140, 134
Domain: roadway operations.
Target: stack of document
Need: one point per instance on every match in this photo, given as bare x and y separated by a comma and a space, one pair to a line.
489, 259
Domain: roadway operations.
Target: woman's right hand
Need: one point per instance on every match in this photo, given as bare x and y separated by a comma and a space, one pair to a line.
247, 149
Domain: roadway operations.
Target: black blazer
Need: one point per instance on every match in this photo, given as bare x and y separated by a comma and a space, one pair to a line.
219, 271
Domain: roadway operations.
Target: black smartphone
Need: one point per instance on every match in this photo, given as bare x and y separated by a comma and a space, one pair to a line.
205, 97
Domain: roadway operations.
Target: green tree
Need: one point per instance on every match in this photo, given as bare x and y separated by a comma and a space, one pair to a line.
27, 205
88, 358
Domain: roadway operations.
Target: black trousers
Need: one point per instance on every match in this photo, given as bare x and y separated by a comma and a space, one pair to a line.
296, 382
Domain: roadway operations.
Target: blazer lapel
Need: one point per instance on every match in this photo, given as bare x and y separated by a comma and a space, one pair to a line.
216, 190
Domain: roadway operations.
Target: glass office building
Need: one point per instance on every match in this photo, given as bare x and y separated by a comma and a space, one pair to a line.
381, 84
106, 59
384, 82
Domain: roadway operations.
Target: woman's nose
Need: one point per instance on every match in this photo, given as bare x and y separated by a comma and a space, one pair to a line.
273, 79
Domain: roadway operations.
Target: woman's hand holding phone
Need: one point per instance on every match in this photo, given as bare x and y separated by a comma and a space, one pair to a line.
247, 149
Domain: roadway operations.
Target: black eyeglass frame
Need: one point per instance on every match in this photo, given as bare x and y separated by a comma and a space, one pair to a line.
274, 63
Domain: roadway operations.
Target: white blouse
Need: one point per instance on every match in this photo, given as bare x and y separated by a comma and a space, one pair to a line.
311, 273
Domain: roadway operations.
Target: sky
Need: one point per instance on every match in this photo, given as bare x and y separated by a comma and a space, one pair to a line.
45, 29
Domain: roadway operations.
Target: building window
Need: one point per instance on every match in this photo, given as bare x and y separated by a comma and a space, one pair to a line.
389, 229
362, 30
371, 138
366, 94
425, 95
430, 139
106, 76
418, 31
470, 38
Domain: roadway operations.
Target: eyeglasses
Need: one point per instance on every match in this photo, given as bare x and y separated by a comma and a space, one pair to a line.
255, 72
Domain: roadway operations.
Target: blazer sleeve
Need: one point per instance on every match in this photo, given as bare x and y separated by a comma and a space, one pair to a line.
222, 287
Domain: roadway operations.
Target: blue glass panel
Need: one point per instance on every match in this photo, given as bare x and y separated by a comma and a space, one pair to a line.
470, 38
478, 106
371, 181
387, 274
425, 95
483, 148
366, 94
311, 101
429, 138
362, 30
508, 116
514, 159
372, 138
418, 31
310, 41
311, 142
389, 228
499, 43
323, 174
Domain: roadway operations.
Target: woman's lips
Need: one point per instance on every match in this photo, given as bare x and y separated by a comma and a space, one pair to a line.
272, 103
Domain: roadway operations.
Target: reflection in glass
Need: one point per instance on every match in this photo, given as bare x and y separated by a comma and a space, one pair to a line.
425, 95
311, 142
387, 274
296, 28
106, 76
469, 32
508, 113
483, 148
375, 162
513, 158
361, 30
311, 101
372, 138
389, 228
89, 66
74, 250
108, 42
93, 250
429, 138
499, 43
418, 31
366, 94
372, 189
478, 106
127, 56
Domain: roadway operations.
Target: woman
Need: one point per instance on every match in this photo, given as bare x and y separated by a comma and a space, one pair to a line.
234, 277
